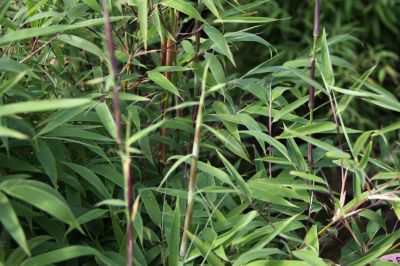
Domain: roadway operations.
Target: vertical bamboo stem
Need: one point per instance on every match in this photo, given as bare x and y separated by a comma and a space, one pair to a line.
193, 166
168, 61
311, 99
270, 131
117, 116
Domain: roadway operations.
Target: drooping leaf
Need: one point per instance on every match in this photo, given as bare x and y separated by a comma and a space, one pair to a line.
184, 7
42, 197
219, 41
10, 222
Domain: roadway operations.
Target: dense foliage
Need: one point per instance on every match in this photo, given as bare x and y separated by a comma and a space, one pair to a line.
184, 132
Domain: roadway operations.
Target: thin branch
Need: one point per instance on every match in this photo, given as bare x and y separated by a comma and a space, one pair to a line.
40, 48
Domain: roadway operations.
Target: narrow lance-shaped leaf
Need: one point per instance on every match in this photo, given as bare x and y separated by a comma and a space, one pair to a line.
326, 64
10, 222
11, 133
220, 42
173, 238
40, 106
107, 119
48, 30
64, 254
184, 7
211, 6
163, 82
235, 174
144, 132
42, 197
143, 20
46, 159
83, 44
205, 250
246, 20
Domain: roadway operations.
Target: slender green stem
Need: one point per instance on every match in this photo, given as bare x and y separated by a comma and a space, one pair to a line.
311, 100
193, 166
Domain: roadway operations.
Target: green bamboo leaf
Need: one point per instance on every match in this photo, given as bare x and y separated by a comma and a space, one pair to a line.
143, 20
212, 171
76, 132
377, 250
308, 177
205, 250
173, 237
278, 229
64, 254
41, 106
60, 117
211, 6
364, 160
11, 83
157, 23
48, 30
11, 133
251, 255
331, 151
112, 202
310, 257
315, 128
151, 205
235, 175
83, 44
346, 99
290, 108
42, 197
230, 142
17, 164
326, 63
278, 262
184, 7
305, 78
173, 167
10, 222
220, 42
106, 118
296, 155
163, 82
144, 132
46, 159
10, 65
268, 139
93, 4
311, 239
360, 142
391, 127
246, 20
18, 255
91, 178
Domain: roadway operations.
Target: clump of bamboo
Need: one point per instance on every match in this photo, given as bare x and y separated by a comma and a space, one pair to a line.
311, 99
126, 162
193, 166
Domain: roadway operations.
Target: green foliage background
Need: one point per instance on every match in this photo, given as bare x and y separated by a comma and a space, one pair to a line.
257, 201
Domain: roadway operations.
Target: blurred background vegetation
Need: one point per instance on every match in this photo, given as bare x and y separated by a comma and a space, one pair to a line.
370, 36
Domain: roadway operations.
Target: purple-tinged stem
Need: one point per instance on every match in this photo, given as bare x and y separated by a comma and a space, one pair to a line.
117, 119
